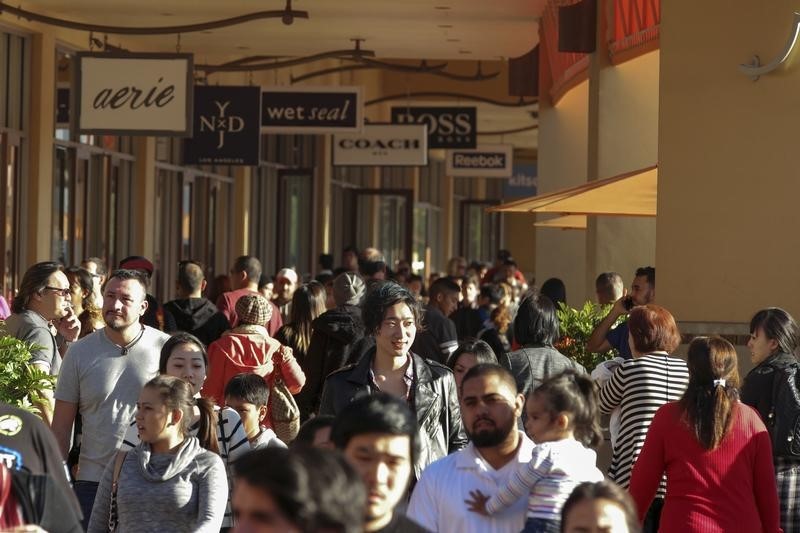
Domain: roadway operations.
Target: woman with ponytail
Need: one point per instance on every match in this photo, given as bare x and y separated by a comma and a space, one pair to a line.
219, 430
715, 451
168, 482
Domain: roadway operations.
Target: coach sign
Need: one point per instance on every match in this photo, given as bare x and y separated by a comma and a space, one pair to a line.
311, 110
490, 161
134, 94
448, 127
382, 145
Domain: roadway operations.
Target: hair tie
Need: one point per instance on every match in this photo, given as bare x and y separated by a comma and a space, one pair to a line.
719, 382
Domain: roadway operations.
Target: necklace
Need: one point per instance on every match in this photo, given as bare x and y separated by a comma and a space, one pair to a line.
124, 349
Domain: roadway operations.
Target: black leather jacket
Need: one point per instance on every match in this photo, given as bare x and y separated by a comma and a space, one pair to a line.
758, 384
435, 402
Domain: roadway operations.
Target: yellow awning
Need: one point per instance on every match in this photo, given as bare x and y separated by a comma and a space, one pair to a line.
629, 194
563, 222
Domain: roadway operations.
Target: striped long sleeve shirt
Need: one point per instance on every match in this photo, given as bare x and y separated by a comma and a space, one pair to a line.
555, 469
639, 387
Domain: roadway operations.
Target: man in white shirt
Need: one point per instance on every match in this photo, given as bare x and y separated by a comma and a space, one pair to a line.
490, 407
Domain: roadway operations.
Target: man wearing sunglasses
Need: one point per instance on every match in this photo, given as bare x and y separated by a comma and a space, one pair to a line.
42, 314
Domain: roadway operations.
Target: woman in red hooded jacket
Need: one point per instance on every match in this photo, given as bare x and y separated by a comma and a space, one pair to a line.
248, 348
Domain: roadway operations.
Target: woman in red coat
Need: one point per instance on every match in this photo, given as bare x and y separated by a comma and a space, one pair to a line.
248, 348
715, 451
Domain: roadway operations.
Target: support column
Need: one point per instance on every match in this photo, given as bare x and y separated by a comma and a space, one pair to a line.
144, 229
40, 160
598, 60
240, 218
447, 192
323, 199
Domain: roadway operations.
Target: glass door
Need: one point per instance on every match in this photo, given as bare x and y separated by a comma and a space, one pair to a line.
384, 218
480, 231
10, 148
295, 219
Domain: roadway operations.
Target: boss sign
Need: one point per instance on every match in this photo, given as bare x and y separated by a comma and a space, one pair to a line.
448, 127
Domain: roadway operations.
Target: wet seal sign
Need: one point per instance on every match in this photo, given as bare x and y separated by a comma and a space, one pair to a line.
134, 94
311, 110
489, 161
226, 126
382, 145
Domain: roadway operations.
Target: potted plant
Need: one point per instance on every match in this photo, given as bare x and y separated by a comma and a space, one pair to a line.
21, 383
576, 327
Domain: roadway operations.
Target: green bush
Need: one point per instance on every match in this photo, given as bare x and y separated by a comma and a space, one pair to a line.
576, 327
21, 383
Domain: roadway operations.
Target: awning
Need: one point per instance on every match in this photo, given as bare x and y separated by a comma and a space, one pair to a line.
563, 222
629, 194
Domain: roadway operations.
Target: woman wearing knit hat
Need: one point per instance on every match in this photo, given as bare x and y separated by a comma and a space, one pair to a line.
248, 348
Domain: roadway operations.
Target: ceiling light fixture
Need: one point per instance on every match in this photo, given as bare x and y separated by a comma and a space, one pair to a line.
287, 15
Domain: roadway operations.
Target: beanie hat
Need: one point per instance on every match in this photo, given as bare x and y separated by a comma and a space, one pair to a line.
253, 309
348, 288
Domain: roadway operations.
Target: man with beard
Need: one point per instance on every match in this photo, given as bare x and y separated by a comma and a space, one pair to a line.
101, 378
490, 406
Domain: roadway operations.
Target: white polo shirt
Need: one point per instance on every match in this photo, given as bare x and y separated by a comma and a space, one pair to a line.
438, 499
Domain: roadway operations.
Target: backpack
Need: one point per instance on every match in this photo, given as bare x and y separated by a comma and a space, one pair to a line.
784, 417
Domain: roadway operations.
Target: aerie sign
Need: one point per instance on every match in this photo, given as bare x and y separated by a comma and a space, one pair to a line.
135, 94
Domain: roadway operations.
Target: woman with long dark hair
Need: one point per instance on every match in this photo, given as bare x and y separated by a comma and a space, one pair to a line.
81, 285
639, 387
308, 302
774, 339
715, 451
536, 328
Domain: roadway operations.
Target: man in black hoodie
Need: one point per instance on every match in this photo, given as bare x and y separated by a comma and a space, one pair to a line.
337, 340
193, 313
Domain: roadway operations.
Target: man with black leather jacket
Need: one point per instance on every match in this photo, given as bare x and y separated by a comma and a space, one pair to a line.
391, 314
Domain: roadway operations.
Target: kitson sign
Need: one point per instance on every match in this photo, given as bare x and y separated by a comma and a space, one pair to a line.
382, 145
134, 94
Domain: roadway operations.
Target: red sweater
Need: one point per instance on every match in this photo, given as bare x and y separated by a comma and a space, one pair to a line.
730, 488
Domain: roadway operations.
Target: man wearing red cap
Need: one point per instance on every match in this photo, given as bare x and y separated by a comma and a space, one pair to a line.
155, 316
245, 275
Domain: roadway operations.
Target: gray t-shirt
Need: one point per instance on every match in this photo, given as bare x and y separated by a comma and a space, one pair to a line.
106, 385
30, 326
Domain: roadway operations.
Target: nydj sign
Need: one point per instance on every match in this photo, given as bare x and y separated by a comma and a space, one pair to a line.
483, 162
382, 145
448, 127
134, 94
311, 109
227, 130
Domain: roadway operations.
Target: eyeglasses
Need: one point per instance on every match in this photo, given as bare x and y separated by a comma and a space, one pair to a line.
58, 290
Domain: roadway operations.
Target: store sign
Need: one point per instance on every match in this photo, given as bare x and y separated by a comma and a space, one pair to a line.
490, 161
382, 145
227, 129
311, 110
134, 94
523, 182
448, 127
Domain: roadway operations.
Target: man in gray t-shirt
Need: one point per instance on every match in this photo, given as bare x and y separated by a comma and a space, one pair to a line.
101, 378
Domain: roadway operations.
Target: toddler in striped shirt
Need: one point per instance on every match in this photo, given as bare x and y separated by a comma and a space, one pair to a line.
562, 419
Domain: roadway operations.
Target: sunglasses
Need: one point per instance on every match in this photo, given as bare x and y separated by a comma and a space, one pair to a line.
63, 292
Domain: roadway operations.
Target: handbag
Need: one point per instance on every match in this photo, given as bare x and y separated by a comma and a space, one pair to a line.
113, 515
284, 412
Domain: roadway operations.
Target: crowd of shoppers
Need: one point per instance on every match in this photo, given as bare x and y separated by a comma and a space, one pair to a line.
439, 408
